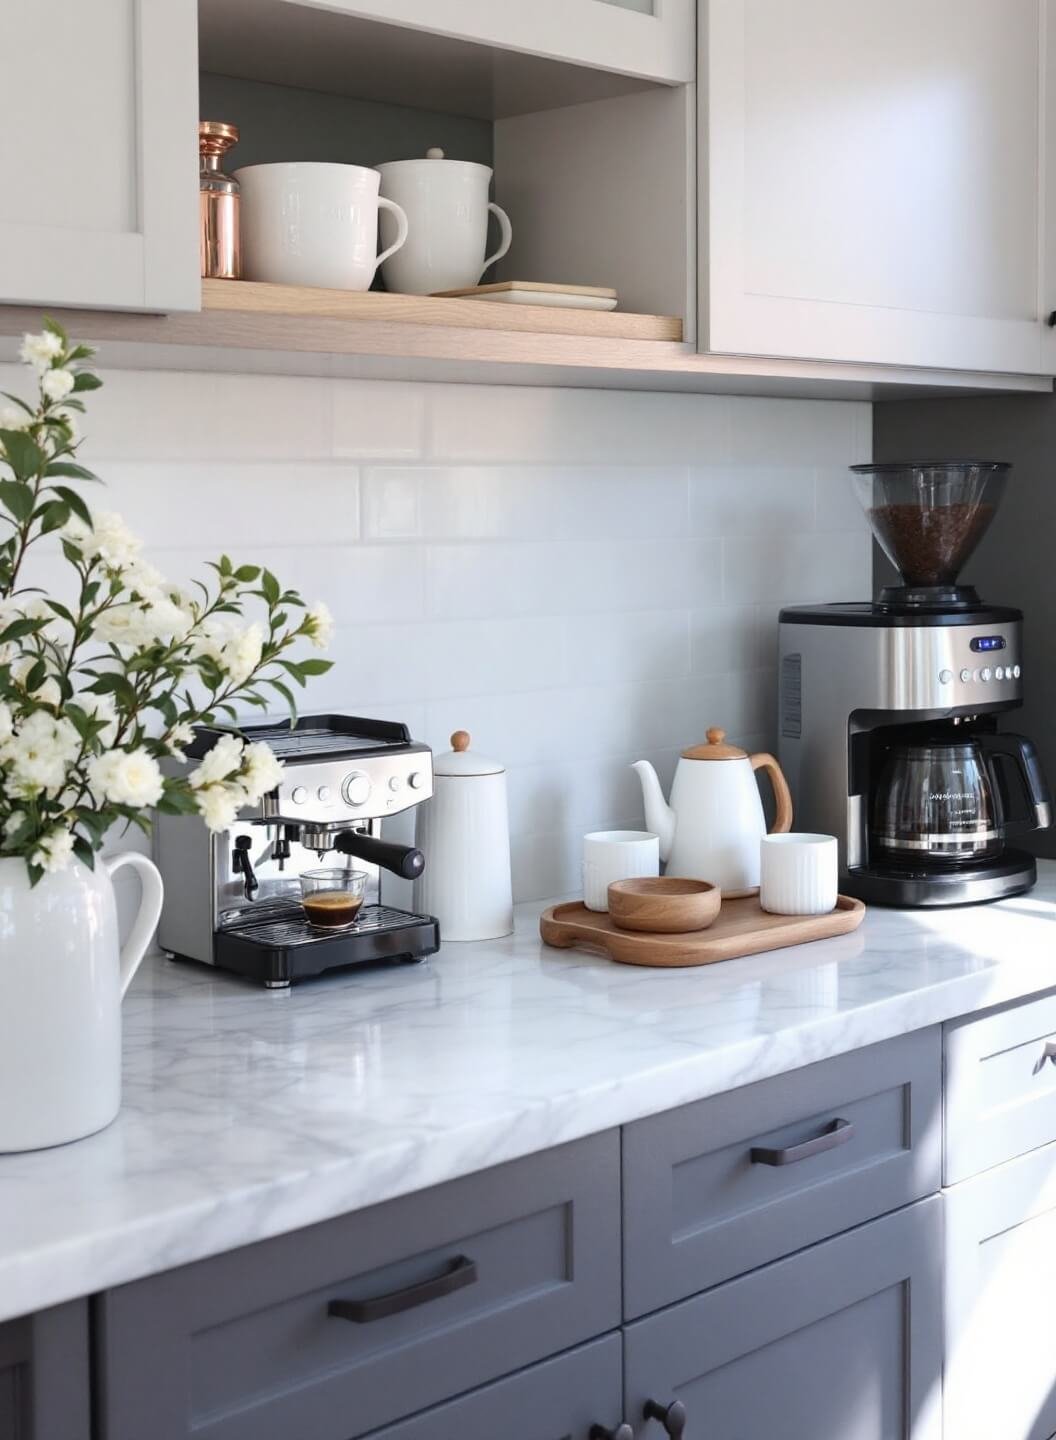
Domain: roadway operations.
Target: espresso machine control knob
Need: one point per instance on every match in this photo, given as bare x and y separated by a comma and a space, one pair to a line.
416, 779
356, 788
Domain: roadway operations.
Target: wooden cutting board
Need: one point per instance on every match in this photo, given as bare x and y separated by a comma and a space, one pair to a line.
743, 927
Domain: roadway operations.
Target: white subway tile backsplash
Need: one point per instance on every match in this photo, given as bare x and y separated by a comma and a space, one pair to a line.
579, 578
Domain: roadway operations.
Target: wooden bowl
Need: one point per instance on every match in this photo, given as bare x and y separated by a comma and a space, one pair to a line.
663, 904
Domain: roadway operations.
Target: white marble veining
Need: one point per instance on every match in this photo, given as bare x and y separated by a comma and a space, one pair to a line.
247, 1114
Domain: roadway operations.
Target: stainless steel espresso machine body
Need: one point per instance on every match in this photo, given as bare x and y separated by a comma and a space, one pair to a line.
233, 898
889, 711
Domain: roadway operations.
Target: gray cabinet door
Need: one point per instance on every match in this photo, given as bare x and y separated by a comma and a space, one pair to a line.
717, 1188
44, 1386
99, 205
354, 1324
1000, 1283
840, 1342
560, 1399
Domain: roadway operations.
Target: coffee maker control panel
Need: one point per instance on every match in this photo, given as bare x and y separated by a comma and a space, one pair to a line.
327, 792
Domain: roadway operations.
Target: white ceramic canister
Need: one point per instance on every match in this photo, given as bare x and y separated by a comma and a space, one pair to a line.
314, 223
63, 977
464, 834
798, 874
447, 208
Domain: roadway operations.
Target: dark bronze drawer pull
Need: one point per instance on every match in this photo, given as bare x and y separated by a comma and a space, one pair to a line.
833, 1136
672, 1417
602, 1432
459, 1273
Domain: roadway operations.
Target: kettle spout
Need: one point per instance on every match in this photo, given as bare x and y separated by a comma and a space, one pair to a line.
659, 817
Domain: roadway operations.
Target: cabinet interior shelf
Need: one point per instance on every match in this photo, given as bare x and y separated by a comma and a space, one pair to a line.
286, 330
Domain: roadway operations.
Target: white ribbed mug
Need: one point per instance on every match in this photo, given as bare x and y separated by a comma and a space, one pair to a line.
798, 874
610, 855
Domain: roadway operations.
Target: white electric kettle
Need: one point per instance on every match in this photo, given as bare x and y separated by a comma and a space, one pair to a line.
464, 833
712, 827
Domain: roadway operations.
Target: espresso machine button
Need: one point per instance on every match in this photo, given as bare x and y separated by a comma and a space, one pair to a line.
299, 795
356, 788
415, 779
966, 676
945, 676
324, 794
984, 673
394, 782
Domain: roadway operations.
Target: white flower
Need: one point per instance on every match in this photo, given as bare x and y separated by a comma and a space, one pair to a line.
13, 822
13, 417
56, 384
35, 757
40, 350
6, 721
320, 625
261, 771
126, 777
109, 540
241, 654
53, 851
179, 736
49, 693
218, 805
224, 759
124, 625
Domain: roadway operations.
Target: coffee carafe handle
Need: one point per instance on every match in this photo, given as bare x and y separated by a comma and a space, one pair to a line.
1023, 756
782, 794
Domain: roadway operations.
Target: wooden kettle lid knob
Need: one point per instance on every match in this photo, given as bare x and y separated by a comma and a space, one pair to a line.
460, 741
716, 736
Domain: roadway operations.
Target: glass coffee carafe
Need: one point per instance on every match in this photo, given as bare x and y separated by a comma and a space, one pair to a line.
947, 798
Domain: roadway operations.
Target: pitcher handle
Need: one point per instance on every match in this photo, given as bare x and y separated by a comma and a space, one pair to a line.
505, 234
135, 947
401, 227
782, 794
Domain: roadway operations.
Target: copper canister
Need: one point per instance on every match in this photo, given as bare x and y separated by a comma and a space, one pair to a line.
219, 201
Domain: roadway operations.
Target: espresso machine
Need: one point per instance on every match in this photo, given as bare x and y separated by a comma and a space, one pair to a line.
889, 712
233, 898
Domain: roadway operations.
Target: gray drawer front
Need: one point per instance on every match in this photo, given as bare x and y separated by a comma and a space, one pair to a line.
698, 1209
44, 1382
1000, 1086
242, 1347
840, 1342
560, 1399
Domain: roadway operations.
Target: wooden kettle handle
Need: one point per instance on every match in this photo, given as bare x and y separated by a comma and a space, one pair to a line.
782, 794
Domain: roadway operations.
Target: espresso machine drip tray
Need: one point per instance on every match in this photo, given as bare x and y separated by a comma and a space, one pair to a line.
279, 950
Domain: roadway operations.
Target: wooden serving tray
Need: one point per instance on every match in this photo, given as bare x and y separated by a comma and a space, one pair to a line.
743, 927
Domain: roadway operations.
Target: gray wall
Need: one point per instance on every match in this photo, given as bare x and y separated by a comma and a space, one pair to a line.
1014, 563
279, 122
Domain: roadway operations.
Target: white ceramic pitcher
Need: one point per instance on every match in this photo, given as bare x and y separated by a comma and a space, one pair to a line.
447, 208
62, 977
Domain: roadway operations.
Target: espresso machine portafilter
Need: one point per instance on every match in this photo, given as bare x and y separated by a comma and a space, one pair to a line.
233, 899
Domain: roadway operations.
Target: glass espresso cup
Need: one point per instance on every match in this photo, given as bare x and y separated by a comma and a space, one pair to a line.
332, 898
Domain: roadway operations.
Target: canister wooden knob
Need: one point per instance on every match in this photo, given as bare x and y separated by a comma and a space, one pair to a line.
460, 741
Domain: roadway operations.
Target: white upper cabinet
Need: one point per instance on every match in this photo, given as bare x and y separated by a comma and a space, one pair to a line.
98, 151
871, 185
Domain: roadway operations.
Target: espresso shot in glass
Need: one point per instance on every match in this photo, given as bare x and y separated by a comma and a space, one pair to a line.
332, 897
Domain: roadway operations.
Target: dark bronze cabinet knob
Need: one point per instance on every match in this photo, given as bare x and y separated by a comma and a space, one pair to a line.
602, 1432
672, 1417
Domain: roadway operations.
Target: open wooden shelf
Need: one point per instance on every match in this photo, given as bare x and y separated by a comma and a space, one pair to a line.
252, 298
399, 337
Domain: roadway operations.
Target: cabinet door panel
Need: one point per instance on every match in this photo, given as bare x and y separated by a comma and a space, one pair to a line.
839, 1342
873, 180
99, 203
558, 1400
44, 1386
1000, 1281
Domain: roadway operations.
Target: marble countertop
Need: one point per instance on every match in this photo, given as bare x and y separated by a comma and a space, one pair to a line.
250, 1113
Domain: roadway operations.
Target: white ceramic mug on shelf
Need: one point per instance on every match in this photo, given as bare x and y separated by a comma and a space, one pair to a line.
798, 874
610, 855
447, 207
314, 223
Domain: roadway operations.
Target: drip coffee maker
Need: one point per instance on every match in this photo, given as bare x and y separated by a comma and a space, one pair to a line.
889, 711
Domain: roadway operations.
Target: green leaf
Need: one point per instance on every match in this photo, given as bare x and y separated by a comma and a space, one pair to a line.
17, 400
69, 471
270, 587
287, 695
54, 328
36, 675
17, 498
23, 453
84, 852
53, 517
74, 501
315, 667
246, 574
292, 669
86, 381
19, 629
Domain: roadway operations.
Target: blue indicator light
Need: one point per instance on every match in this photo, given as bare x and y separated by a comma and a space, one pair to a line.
986, 643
